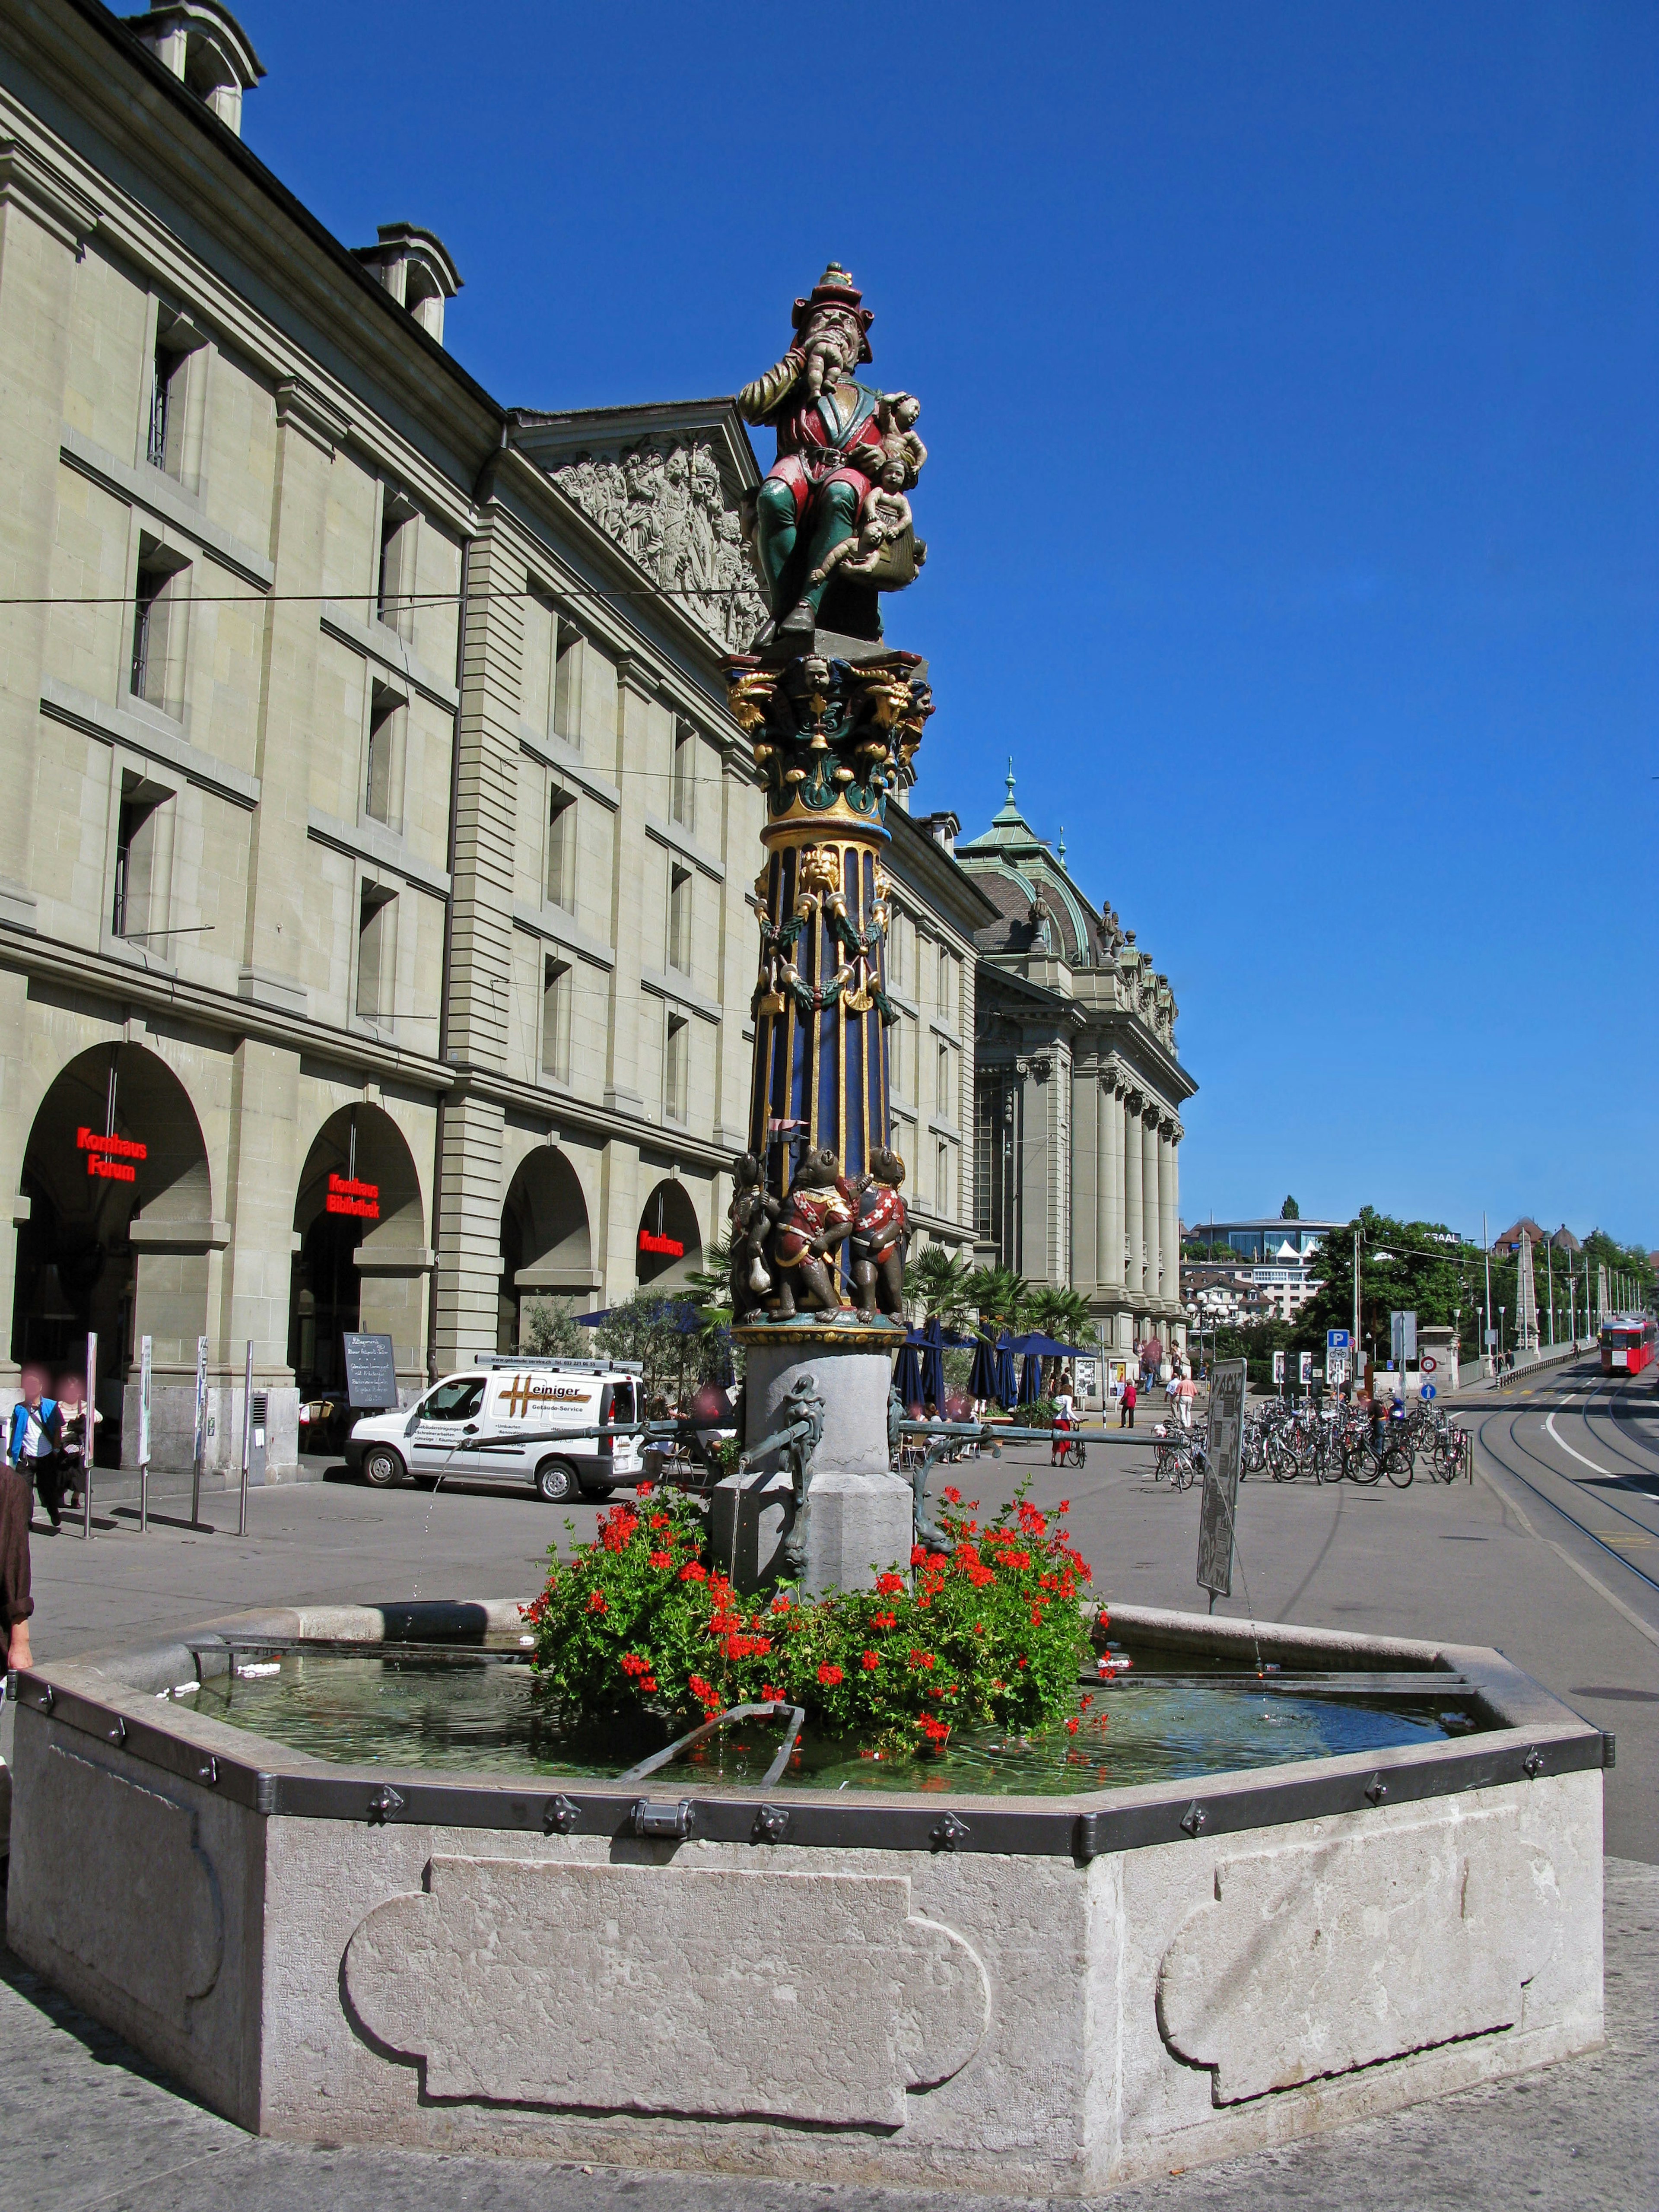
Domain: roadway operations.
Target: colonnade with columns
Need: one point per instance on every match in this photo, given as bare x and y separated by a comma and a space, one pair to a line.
1126, 1211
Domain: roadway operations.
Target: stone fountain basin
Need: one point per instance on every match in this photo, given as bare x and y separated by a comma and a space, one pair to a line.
1043, 1994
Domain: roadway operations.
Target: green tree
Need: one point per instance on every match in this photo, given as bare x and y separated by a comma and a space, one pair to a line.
1060, 1313
999, 1297
1290, 1211
936, 1286
1418, 1265
551, 1331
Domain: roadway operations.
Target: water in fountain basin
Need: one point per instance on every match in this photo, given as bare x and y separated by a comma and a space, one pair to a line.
464, 1713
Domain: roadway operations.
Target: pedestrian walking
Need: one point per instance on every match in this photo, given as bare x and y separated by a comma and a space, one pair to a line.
34, 1438
1187, 1392
1126, 1419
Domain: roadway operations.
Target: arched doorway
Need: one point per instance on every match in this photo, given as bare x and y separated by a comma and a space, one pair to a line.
547, 1250
120, 1225
360, 1264
668, 1249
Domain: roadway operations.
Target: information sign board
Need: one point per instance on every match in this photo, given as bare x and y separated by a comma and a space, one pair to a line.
1336, 1366
1427, 1391
1305, 1368
1402, 1338
371, 1372
1336, 1340
1215, 1518
1278, 1367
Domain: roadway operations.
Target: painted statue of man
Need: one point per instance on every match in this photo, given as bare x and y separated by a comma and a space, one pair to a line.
830, 432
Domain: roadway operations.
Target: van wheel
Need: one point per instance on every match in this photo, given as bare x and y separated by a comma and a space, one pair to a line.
382, 1467
556, 1482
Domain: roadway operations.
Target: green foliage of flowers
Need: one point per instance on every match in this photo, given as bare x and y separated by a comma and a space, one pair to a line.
991, 1631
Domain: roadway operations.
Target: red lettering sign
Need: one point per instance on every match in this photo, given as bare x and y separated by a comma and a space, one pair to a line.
346, 1195
106, 1156
668, 1246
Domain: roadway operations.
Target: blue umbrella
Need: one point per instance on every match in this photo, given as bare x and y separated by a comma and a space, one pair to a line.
982, 1377
679, 1313
1006, 1392
907, 1376
932, 1364
1031, 1378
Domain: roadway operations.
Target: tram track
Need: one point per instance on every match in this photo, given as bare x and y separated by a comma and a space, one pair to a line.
1506, 1424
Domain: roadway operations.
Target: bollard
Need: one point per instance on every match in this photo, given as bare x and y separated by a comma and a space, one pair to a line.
146, 1370
201, 1413
247, 1436
89, 1435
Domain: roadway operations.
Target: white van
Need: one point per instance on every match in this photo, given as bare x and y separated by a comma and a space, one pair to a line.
505, 1402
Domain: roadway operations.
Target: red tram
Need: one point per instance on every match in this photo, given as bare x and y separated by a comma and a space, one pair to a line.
1627, 1343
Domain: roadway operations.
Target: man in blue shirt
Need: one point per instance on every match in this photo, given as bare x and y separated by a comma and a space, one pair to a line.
34, 1439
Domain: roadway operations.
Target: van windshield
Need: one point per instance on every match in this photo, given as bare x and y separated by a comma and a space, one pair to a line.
455, 1401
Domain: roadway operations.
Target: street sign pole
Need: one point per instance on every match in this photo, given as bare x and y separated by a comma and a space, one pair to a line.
91, 1438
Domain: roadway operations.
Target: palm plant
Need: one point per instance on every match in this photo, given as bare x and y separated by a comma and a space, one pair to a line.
936, 1283
999, 1297
1062, 1315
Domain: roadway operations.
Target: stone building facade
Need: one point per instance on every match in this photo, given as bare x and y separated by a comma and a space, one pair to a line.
1077, 1093
373, 947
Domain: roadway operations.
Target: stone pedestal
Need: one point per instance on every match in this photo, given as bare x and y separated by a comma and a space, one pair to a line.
858, 1523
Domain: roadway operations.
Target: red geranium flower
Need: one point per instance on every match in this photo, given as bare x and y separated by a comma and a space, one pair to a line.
890, 1585
596, 1602
694, 1572
829, 1675
662, 1559
870, 1661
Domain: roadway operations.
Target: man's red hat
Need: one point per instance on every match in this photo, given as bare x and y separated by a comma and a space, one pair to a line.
836, 288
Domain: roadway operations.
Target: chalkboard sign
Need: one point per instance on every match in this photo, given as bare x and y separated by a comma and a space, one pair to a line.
371, 1373
1215, 1516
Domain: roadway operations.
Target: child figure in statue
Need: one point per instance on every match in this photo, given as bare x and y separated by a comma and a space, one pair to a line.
879, 1235
751, 1214
883, 515
818, 1217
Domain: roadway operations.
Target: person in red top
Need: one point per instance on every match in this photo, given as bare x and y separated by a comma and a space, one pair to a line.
1126, 1418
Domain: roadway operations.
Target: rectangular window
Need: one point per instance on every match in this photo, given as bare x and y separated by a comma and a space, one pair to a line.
567, 684
944, 1194
944, 985
138, 909
895, 953
679, 919
942, 1098
375, 909
895, 1059
158, 627
560, 847
556, 1020
165, 396
380, 774
395, 579
677, 1068
683, 779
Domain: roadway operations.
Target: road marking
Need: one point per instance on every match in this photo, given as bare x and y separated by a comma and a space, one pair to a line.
1509, 1504
1549, 1423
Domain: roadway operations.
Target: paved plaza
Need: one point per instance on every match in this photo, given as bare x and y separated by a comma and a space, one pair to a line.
1523, 1558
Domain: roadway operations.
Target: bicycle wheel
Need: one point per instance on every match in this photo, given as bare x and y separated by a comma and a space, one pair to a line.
1397, 1465
1365, 1466
1334, 1464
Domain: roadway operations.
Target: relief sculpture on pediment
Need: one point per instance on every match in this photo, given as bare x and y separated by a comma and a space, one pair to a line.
665, 503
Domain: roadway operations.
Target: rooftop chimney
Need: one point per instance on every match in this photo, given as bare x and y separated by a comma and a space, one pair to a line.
415, 269
206, 49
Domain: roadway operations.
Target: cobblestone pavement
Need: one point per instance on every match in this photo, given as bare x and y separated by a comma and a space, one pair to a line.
87, 2126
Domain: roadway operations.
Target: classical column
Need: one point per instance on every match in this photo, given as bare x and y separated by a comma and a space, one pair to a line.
1109, 1187
1169, 1211
1087, 1258
1134, 1225
1149, 1205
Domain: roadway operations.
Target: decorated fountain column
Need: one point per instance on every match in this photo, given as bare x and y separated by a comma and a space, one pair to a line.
819, 1219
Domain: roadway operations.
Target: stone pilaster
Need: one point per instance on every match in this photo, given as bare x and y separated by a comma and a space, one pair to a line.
469, 1230
1168, 1216
1109, 1187
1087, 1257
486, 810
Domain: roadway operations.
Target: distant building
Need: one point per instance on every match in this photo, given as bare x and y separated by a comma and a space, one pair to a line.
1509, 1243
1275, 1256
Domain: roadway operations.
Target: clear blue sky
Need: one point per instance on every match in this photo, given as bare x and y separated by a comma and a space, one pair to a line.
1290, 378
